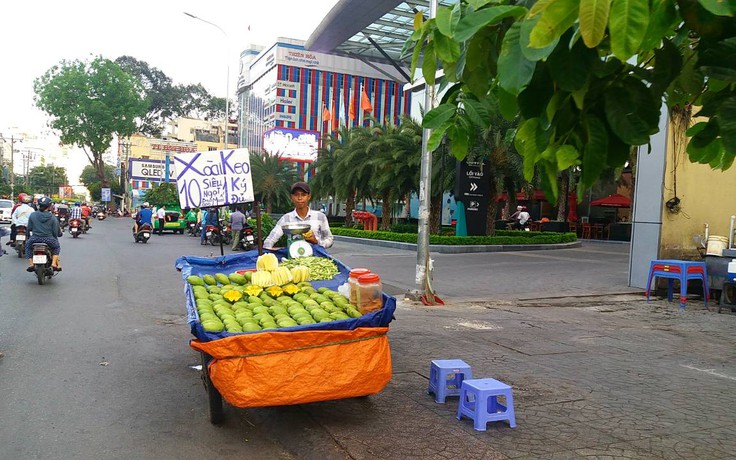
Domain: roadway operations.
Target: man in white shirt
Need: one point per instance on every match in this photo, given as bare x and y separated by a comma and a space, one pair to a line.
320, 229
161, 216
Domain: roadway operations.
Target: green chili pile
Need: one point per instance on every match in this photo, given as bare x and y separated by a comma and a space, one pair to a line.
320, 268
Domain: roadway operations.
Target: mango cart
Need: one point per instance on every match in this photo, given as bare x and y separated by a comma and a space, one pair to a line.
299, 364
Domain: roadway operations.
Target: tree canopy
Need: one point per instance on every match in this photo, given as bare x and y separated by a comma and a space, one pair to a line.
89, 103
94, 186
587, 79
47, 179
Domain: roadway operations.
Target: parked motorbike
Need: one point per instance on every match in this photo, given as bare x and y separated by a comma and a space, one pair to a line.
143, 233
20, 240
214, 235
75, 227
193, 229
247, 239
42, 262
101, 215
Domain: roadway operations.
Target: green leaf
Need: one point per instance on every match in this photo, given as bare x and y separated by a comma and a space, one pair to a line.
719, 7
415, 58
571, 68
459, 141
448, 49
624, 117
514, 70
558, 16
593, 21
628, 24
436, 136
719, 60
539, 7
727, 123
530, 142
534, 54
662, 20
444, 20
506, 103
595, 151
567, 157
549, 180
429, 65
668, 63
473, 22
705, 133
477, 113
579, 97
705, 154
438, 116
534, 99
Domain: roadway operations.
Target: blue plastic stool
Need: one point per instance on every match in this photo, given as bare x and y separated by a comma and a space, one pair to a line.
479, 401
446, 376
683, 270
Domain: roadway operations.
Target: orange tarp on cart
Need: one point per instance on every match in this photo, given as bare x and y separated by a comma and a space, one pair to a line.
281, 368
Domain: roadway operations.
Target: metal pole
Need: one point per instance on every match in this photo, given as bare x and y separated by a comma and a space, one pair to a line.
227, 85
423, 267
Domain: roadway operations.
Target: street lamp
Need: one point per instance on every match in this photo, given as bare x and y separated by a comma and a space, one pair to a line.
227, 86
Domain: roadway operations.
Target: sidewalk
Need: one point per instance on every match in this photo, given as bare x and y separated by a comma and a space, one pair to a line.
593, 377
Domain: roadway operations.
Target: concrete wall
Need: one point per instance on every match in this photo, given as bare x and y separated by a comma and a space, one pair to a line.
706, 196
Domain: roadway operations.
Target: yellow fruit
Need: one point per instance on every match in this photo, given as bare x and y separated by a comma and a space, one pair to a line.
300, 274
281, 276
275, 291
233, 296
262, 278
291, 289
267, 262
253, 290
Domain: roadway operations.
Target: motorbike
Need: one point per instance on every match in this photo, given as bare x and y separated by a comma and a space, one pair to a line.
20, 240
247, 239
193, 229
42, 262
101, 215
62, 222
214, 235
143, 234
75, 227
85, 224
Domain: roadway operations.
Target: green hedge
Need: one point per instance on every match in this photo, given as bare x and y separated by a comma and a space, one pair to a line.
501, 237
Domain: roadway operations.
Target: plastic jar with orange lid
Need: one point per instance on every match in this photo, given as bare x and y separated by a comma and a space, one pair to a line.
353, 283
370, 293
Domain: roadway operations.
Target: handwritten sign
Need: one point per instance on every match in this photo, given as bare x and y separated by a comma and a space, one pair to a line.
217, 178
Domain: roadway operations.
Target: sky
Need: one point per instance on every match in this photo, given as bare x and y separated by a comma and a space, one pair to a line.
36, 35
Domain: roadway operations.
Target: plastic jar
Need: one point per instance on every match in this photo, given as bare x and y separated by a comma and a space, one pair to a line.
353, 283
370, 293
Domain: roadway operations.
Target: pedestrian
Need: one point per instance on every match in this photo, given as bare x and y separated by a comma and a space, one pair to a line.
319, 233
237, 222
161, 216
202, 217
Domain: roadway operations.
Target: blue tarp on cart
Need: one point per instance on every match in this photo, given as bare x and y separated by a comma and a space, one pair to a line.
191, 265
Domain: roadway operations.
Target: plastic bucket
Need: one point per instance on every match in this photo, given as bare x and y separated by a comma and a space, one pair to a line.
716, 245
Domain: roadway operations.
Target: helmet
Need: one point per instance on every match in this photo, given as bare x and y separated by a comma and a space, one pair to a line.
84, 204
63, 201
76, 203
145, 205
44, 202
26, 198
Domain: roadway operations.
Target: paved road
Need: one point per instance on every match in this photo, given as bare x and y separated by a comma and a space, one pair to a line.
98, 364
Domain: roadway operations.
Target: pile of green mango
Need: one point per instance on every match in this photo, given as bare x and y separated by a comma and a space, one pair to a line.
273, 308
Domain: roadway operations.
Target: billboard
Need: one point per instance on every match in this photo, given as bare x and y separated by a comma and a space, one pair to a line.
153, 170
291, 144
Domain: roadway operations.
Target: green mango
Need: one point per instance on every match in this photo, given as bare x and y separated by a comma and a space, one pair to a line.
209, 279
222, 278
237, 278
195, 280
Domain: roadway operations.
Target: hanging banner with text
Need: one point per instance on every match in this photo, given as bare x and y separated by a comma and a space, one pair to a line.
216, 178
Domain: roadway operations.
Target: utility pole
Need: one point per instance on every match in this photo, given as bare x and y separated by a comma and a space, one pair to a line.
13, 140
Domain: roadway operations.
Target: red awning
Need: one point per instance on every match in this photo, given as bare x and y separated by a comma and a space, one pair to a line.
613, 201
521, 196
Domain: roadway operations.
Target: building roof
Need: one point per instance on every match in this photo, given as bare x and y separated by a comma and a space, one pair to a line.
375, 30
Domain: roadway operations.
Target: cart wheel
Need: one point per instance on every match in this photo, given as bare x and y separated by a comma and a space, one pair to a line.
215, 398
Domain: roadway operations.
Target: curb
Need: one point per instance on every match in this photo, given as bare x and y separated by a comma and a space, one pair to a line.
459, 249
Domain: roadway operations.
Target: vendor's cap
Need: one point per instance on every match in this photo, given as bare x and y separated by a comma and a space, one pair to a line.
300, 186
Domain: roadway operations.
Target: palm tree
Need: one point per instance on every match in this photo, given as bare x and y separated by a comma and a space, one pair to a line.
272, 178
353, 172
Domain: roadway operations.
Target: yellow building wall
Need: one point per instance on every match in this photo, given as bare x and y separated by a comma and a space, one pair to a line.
706, 196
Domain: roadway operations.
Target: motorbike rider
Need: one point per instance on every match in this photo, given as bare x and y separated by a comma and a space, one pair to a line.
86, 214
210, 219
62, 210
75, 212
142, 217
20, 216
44, 228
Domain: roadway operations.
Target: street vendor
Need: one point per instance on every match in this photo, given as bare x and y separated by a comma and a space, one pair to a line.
320, 229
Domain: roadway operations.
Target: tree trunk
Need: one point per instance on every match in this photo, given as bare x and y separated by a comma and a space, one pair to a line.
349, 208
99, 166
435, 214
492, 205
386, 213
562, 197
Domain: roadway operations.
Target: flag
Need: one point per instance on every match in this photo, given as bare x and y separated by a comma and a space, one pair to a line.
335, 120
365, 103
326, 116
351, 110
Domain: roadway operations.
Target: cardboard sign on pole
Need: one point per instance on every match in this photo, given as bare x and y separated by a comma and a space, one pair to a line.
216, 178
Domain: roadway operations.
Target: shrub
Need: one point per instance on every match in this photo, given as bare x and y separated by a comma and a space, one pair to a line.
501, 237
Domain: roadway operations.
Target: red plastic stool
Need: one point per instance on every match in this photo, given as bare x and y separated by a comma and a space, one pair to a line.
683, 270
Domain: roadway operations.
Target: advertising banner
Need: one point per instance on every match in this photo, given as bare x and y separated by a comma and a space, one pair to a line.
153, 170
216, 178
292, 144
471, 187
105, 192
